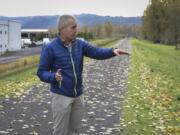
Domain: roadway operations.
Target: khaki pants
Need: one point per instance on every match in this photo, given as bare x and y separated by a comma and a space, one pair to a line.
67, 114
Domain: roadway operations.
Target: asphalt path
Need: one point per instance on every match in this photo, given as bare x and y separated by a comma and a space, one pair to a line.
105, 82
13, 56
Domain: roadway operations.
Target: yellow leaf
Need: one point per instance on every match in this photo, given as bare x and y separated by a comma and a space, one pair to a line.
37, 96
37, 124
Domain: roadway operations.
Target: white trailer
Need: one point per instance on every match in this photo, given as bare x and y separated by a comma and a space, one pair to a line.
10, 36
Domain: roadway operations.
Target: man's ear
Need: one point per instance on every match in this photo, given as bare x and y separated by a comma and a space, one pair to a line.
62, 28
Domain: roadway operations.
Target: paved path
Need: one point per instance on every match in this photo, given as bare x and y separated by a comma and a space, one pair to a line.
13, 56
104, 81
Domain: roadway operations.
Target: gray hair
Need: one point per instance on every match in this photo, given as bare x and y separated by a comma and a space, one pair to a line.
63, 21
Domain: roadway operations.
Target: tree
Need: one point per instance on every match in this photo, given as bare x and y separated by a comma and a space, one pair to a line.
118, 31
100, 32
173, 12
53, 32
85, 28
109, 29
152, 23
161, 21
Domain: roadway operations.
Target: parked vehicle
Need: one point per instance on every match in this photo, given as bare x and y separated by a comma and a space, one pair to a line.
80, 38
46, 40
39, 43
32, 45
25, 42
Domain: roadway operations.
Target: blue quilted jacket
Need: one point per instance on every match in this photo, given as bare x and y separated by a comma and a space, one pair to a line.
56, 56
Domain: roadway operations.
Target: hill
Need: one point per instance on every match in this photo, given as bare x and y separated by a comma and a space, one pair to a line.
90, 19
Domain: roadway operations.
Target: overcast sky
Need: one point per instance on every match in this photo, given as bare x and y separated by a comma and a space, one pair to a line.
15, 8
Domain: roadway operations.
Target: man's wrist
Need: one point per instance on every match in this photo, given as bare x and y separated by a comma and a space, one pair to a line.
112, 51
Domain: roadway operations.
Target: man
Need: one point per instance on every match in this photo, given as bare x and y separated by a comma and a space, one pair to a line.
61, 65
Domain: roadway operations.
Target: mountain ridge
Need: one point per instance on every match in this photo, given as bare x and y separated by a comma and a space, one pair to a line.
50, 21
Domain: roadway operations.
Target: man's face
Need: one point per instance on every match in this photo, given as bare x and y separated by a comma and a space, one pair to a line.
70, 31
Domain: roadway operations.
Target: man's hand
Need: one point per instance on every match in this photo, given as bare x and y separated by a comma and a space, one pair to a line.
118, 52
58, 76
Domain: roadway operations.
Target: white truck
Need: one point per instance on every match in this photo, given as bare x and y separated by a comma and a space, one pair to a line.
46, 40
25, 42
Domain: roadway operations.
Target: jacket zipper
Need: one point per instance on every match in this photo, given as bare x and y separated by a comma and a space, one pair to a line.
75, 91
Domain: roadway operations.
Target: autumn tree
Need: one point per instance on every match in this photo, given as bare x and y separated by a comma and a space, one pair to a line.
94, 30
109, 29
53, 32
100, 32
152, 23
86, 32
173, 29
161, 21
85, 28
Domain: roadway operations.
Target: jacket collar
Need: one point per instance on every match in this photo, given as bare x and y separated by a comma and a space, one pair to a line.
58, 38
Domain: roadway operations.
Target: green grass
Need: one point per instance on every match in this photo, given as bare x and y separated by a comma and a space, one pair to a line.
16, 84
102, 42
21, 74
20, 65
152, 102
111, 44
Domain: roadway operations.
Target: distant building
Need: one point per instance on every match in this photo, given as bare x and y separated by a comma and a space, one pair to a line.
10, 36
33, 33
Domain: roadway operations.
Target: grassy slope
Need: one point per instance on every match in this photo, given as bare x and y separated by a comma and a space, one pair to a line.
18, 66
152, 105
15, 84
